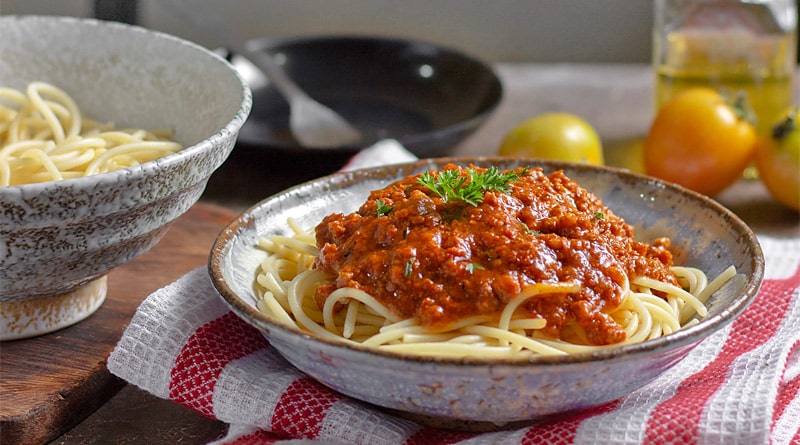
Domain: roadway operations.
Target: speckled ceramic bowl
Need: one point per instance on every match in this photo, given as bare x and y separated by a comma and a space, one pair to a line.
57, 237
478, 392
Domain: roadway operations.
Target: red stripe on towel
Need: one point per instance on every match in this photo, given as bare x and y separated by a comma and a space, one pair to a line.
302, 408
561, 430
429, 435
205, 355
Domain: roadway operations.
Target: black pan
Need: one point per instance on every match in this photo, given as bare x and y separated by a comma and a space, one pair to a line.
427, 97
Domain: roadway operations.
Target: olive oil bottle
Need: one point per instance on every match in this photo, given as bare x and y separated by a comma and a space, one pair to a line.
735, 47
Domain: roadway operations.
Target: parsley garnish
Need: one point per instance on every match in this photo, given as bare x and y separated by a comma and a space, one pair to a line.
529, 230
450, 185
410, 266
599, 215
471, 267
383, 209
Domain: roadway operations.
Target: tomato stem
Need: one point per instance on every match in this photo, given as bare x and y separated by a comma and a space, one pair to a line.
742, 108
786, 126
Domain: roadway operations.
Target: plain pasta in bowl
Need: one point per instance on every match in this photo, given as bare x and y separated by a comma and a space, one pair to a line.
45, 137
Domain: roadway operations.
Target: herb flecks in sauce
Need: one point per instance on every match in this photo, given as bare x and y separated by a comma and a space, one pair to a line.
382, 208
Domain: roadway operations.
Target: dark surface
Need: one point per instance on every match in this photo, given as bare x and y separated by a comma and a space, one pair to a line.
252, 173
136, 417
427, 97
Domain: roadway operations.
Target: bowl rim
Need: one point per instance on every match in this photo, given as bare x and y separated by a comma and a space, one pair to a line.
150, 168
675, 340
473, 121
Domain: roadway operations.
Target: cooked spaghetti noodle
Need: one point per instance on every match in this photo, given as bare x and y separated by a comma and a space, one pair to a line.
44, 137
550, 316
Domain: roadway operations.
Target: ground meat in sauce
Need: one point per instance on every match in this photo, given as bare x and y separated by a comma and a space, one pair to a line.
444, 260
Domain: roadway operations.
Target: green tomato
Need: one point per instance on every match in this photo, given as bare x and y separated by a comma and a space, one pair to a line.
556, 136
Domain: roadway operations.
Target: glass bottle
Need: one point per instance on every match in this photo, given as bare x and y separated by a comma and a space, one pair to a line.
733, 46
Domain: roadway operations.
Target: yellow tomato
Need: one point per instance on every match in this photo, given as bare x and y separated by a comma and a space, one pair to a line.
558, 136
700, 141
778, 161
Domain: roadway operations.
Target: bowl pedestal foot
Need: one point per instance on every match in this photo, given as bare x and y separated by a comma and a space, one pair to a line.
30, 318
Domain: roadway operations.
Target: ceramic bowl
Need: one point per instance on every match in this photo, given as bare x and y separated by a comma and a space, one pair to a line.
57, 237
426, 96
474, 391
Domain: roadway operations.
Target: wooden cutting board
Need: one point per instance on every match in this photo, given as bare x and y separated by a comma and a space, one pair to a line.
50, 383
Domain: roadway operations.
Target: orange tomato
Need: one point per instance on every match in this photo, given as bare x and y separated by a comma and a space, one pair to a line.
778, 161
700, 141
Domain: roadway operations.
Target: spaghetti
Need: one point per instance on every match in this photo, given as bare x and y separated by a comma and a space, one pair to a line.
537, 266
44, 137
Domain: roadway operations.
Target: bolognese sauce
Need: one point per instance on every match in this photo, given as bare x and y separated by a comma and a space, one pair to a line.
426, 253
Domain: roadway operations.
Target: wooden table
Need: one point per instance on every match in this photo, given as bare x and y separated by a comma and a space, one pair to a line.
615, 99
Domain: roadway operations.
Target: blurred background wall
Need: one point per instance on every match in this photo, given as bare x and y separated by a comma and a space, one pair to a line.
494, 30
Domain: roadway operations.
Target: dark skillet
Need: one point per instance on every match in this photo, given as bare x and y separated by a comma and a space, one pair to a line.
427, 97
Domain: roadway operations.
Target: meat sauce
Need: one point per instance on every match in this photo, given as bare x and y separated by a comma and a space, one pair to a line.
443, 260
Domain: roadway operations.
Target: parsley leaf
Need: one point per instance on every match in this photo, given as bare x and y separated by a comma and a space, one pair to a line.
382, 208
450, 185
410, 266
472, 267
529, 230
